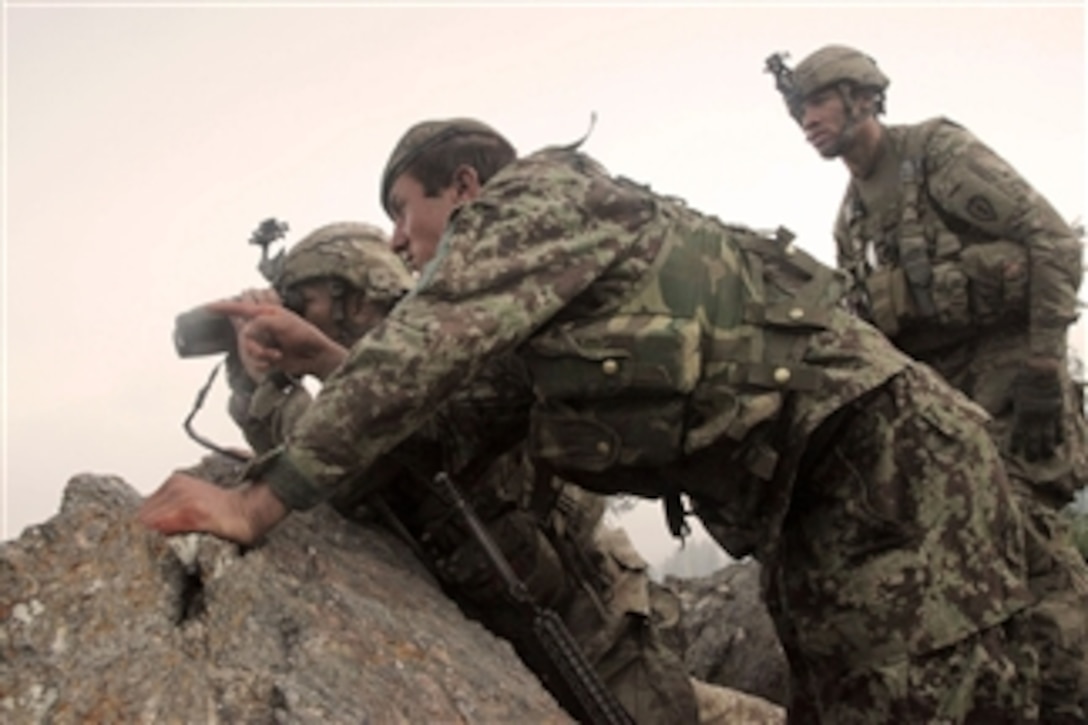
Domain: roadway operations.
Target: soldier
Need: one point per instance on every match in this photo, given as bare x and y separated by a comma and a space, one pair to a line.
344, 278
967, 268
668, 353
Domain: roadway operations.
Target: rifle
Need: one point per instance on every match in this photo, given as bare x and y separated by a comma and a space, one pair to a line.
567, 674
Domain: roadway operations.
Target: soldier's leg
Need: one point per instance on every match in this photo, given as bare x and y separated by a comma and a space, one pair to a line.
610, 616
1058, 620
1057, 574
984, 679
900, 567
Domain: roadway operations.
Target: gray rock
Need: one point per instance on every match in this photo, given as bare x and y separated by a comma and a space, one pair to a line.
327, 621
727, 634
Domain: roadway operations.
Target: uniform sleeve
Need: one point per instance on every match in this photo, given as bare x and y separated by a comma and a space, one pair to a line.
508, 263
972, 184
265, 411
266, 415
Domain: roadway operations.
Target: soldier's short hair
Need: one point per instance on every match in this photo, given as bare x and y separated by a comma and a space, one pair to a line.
432, 151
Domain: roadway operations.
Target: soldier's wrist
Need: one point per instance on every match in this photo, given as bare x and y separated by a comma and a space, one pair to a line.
286, 480
262, 509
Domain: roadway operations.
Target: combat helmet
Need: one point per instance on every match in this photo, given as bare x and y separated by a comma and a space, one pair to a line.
423, 136
355, 253
828, 66
834, 64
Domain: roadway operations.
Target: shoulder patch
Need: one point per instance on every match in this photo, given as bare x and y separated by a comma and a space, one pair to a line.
980, 208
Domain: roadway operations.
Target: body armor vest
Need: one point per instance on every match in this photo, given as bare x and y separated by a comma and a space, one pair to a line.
698, 350
686, 384
923, 283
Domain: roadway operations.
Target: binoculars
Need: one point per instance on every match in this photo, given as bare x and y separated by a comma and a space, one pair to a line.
202, 332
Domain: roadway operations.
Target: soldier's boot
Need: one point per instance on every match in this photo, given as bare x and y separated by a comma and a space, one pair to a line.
722, 706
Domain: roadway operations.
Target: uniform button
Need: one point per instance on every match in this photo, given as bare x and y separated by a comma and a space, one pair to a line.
796, 313
610, 367
603, 447
781, 375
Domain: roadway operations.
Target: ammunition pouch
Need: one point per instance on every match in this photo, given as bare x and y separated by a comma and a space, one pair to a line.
602, 403
987, 285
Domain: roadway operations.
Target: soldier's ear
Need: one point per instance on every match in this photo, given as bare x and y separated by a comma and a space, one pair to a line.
466, 183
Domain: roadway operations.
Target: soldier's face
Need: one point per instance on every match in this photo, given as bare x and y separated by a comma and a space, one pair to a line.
315, 305
418, 219
825, 121
318, 308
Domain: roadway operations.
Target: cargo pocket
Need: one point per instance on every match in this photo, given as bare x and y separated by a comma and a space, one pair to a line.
607, 434
612, 392
869, 484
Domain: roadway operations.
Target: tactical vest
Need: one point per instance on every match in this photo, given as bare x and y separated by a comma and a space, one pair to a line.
703, 355
923, 284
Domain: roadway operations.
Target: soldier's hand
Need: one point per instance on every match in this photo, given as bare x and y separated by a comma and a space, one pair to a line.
1037, 407
275, 337
257, 368
185, 503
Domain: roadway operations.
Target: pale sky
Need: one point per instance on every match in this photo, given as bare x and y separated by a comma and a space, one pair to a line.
144, 141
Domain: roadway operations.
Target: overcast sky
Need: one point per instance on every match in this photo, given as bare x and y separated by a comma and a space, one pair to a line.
143, 143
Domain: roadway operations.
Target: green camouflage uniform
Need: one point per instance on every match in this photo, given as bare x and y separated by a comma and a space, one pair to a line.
669, 353
999, 270
556, 542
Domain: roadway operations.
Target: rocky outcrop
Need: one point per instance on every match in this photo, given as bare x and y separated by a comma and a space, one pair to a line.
327, 621
727, 635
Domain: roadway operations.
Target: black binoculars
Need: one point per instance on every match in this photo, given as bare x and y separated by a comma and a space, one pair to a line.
203, 332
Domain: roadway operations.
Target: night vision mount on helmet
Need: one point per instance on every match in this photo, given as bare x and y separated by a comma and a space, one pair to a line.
828, 66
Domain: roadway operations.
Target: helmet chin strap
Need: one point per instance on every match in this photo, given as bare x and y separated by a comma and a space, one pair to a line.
853, 111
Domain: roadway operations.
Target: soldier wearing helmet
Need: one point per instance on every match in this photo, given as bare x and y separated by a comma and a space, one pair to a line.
344, 278
662, 352
966, 267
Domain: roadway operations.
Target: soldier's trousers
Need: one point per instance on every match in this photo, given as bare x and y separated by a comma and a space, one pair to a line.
984, 368
599, 585
899, 587
1058, 620
613, 620
986, 679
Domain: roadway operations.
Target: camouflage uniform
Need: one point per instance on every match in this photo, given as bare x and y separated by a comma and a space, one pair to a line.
965, 267
557, 542
669, 353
